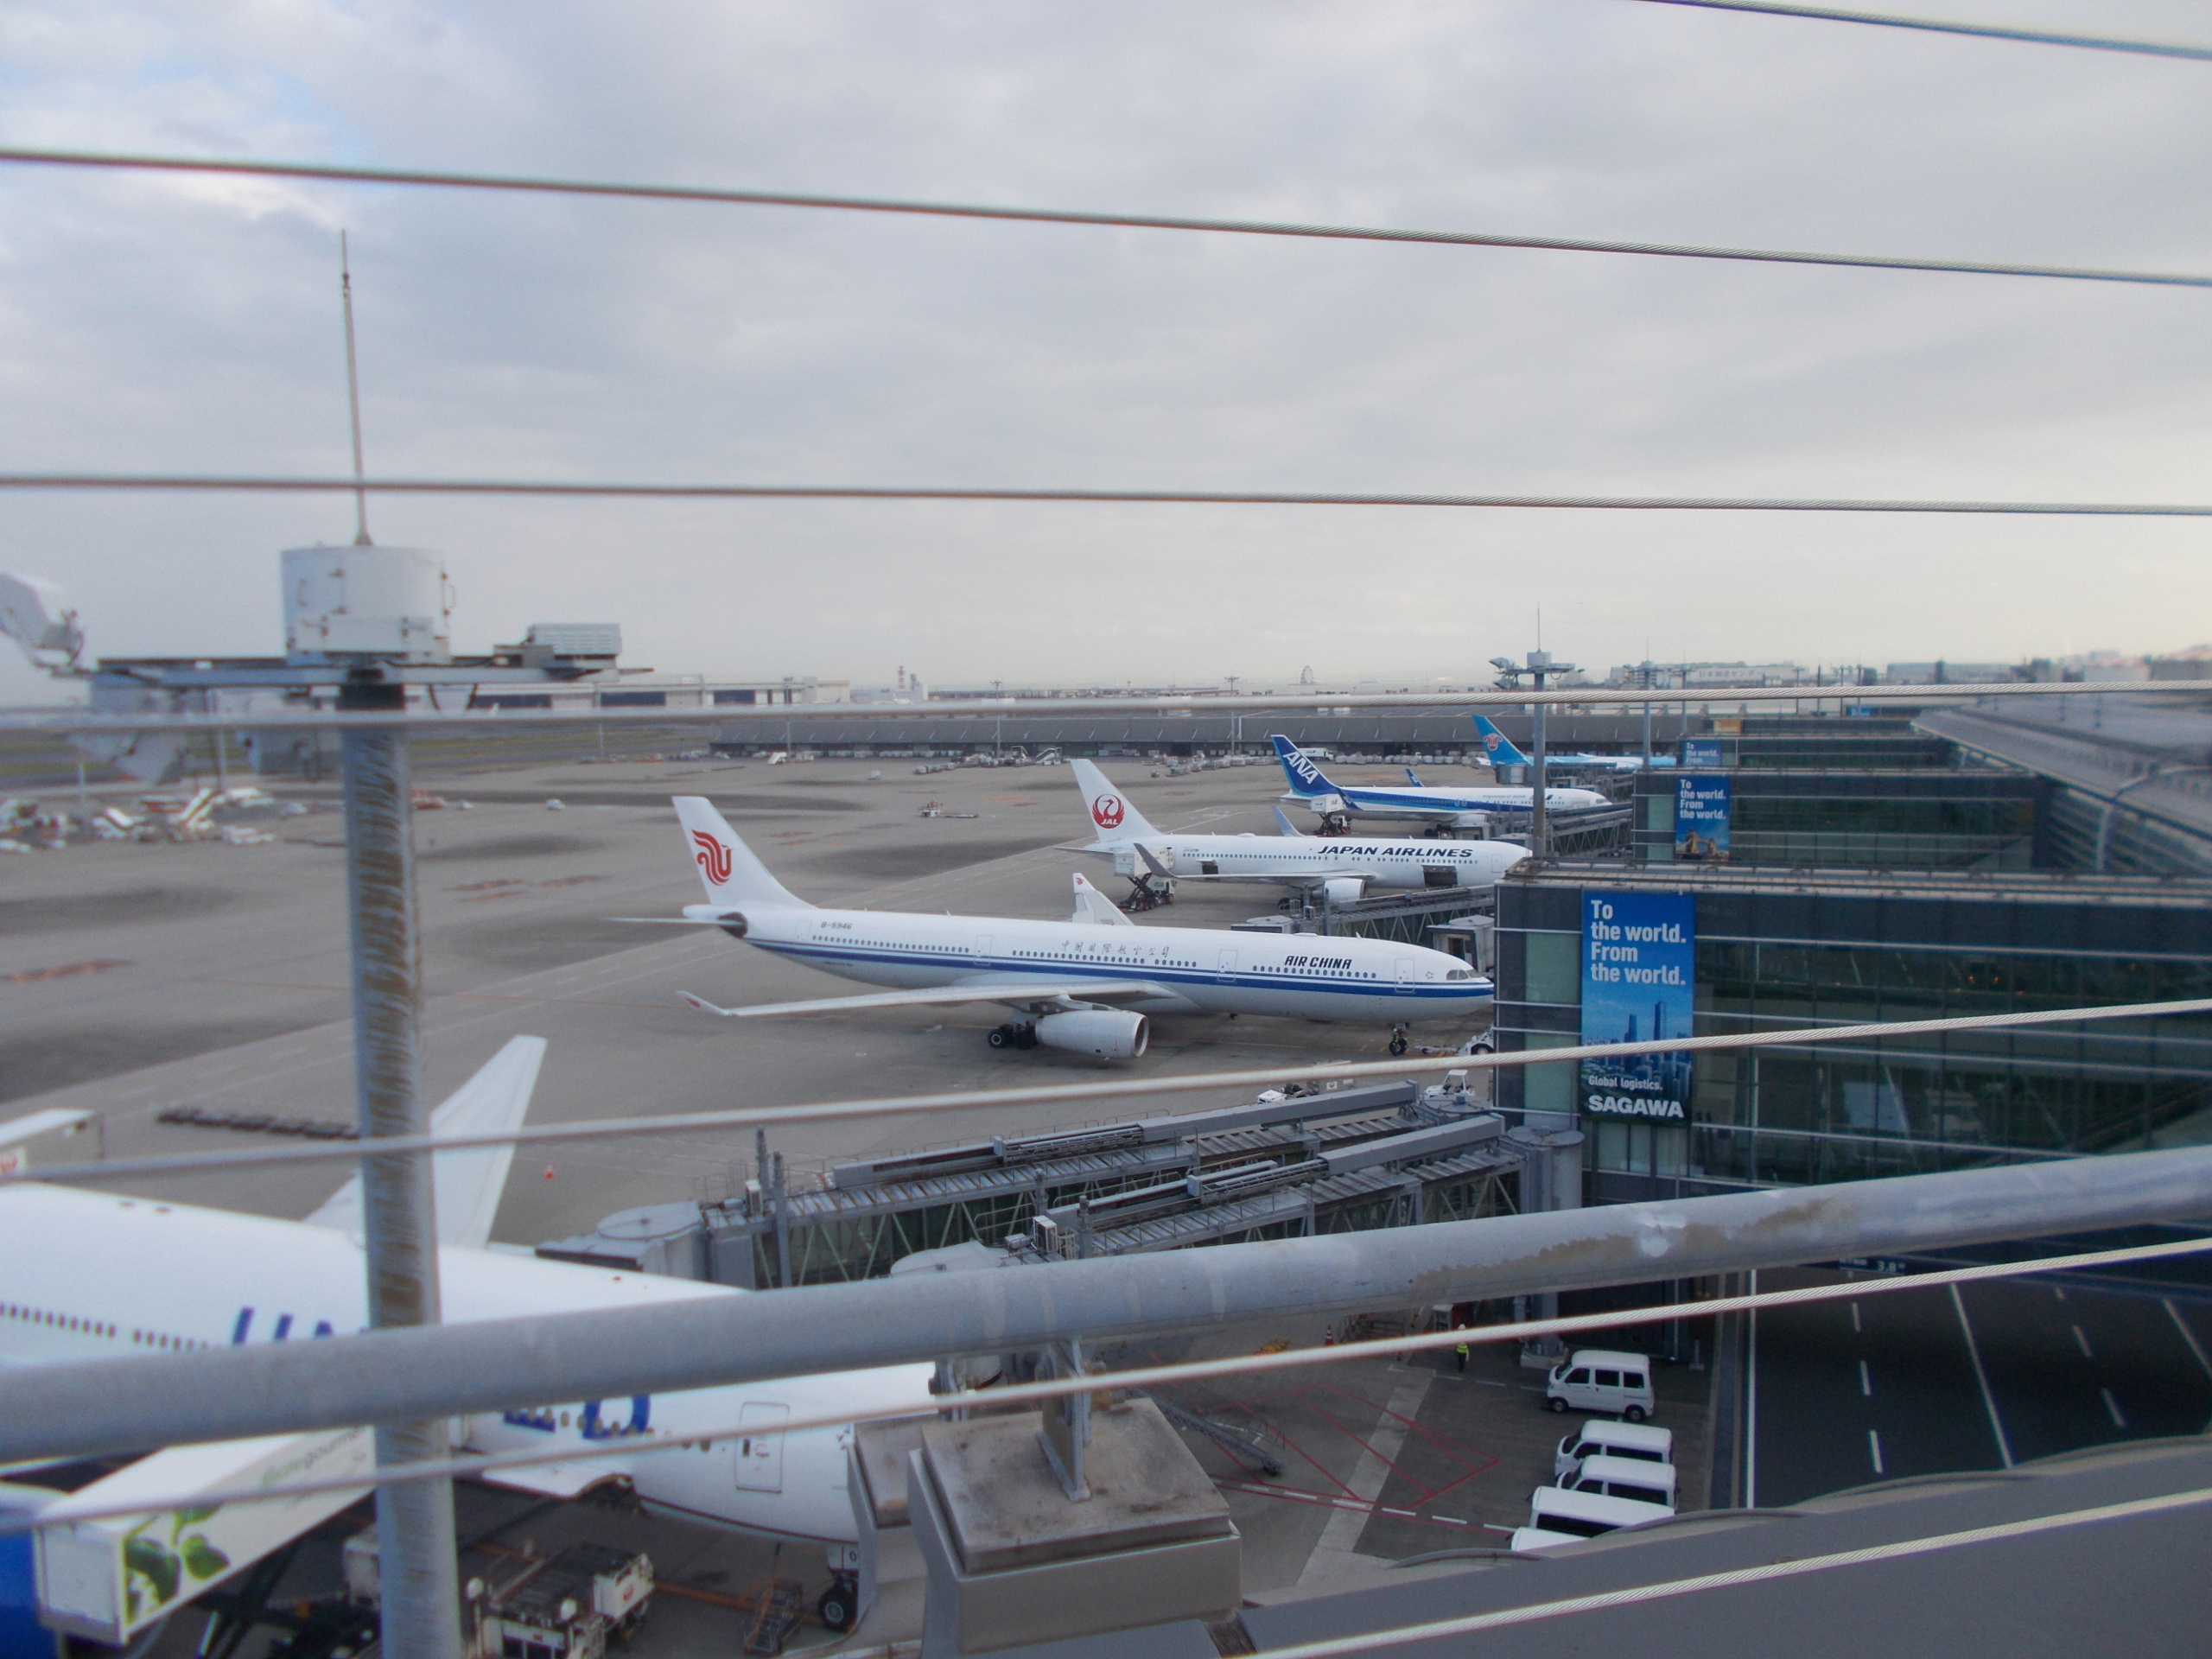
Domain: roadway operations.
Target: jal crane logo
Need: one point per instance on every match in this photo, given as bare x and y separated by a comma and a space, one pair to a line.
712, 856
1107, 812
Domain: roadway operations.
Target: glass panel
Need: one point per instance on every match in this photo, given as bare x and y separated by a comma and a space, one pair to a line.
1553, 973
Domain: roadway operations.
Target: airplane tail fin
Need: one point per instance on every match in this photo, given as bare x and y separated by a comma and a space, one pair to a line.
1111, 815
733, 875
1500, 749
467, 1183
1412, 778
1283, 824
1094, 906
1305, 777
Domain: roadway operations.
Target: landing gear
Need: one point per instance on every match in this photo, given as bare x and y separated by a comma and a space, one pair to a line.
1397, 1040
839, 1604
1334, 824
1012, 1037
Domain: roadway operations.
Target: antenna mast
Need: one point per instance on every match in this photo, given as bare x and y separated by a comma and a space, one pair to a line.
353, 397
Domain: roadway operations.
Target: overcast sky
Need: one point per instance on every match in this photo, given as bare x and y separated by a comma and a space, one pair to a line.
166, 323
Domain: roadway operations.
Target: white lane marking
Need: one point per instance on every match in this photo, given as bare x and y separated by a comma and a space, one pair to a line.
1448, 1520
2059, 1291
1855, 1327
1989, 1399
2187, 1335
2082, 1342
1874, 1448
1865, 1382
1752, 1403
2113, 1405
1333, 1550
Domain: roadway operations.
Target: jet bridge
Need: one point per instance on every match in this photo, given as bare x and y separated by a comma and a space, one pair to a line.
1286, 1164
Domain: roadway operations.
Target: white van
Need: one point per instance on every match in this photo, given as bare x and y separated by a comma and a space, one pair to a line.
1601, 1379
1559, 1516
1601, 1436
1629, 1477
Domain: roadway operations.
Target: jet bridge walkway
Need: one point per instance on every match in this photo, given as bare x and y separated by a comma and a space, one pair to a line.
1329, 1160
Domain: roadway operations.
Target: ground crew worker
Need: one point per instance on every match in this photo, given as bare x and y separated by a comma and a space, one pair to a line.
1461, 1350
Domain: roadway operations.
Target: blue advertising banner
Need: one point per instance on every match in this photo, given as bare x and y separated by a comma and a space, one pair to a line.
1703, 752
1701, 818
1639, 961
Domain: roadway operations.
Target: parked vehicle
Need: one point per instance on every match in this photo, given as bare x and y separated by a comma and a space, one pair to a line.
1603, 1437
1628, 1477
1602, 1379
1559, 1516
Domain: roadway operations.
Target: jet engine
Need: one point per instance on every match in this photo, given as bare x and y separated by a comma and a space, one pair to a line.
1343, 889
1110, 1033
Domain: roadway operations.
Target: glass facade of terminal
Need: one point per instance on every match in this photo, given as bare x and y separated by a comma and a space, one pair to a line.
1778, 950
1981, 818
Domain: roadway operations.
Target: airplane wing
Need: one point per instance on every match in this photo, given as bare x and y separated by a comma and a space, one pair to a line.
1015, 993
467, 1183
1284, 825
562, 1480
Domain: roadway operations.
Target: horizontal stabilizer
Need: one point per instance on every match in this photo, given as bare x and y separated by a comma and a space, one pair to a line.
1015, 993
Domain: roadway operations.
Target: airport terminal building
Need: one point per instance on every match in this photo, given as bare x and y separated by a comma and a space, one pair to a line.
1760, 949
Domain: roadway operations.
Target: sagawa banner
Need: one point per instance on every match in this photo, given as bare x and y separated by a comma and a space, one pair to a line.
1639, 960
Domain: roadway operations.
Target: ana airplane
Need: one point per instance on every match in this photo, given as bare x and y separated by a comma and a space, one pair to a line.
1339, 866
87, 1274
1086, 985
1501, 751
1445, 808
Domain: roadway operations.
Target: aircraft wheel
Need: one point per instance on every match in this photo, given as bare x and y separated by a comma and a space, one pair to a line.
1000, 1038
1024, 1036
838, 1606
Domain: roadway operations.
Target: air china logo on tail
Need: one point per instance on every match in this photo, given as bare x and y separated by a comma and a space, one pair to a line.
713, 857
1107, 812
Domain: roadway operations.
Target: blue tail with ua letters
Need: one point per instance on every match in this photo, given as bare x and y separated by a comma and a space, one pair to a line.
1498, 747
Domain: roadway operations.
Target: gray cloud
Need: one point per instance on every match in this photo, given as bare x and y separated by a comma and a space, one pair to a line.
167, 323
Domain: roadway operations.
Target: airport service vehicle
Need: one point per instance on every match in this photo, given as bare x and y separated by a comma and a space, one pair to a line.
1340, 866
1602, 1437
1460, 807
1086, 985
1628, 1477
1559, 1516
87, 1276
1501, 751
1601, 1379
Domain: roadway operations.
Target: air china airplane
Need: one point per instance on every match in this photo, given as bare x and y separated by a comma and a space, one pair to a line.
1086, 985
1501, 751
1446, 808
1343, 868
133, 1275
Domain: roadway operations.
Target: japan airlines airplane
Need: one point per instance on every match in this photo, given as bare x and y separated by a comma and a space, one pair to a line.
1343, 868
1446, 808
86, 1275
1087, 984
1501, 751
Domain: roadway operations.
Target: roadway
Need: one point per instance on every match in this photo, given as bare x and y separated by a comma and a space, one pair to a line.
1980, 1377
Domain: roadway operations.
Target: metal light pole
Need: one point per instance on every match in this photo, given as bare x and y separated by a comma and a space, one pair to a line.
1542, 666
415, 1545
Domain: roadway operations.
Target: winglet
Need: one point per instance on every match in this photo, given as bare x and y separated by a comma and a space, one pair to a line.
705, 1006
1283, 822
468, 1181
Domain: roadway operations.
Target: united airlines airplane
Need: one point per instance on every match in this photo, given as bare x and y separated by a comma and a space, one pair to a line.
1087, 985
1343, 868
88, 1275
1446, 808
1501, 751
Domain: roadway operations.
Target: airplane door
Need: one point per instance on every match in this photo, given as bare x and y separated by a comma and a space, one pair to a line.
979, 948
761, 1448
1405, 966
1227, 969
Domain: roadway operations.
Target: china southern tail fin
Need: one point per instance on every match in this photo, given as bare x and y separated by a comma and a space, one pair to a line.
467, 1183
1305, 777
733, 874
1111, 813
1498, 747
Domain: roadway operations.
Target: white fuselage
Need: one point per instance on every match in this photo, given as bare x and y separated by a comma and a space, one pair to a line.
91, 1275
1445, 806
1198, 970
1310, 860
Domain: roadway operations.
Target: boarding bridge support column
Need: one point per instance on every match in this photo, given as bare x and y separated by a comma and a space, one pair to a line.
1551, 1179
416, 1556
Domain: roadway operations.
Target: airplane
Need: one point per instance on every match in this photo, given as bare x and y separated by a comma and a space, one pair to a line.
1501, 751
1087, 985
136, 1275
1339, 865
1445, 808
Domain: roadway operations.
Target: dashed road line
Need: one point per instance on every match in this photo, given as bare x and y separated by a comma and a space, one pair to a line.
1981, 1376
2119, 1419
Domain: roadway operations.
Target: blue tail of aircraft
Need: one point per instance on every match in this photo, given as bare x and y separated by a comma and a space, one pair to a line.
1305, 777
1498, 747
